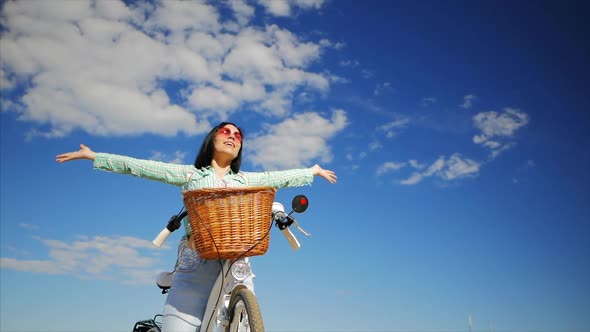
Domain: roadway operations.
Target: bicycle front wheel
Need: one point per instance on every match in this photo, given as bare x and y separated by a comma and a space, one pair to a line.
244, 313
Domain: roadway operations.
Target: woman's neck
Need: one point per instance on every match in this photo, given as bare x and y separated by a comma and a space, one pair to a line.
220, 168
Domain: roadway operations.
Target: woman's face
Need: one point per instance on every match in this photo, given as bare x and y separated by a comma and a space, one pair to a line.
227, 142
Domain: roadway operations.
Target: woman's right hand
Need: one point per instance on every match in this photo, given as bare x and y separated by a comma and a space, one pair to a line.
83, 153
326, 174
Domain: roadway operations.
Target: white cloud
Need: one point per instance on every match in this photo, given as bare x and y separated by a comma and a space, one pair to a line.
126, 259
436, 167
389, 166
297, 141
468, 101
367, 73
309, 4
29, 226
329, 44
415, 164
180, 16
385, 86
496, 151
284, 7
349, 63
276, 7
177, 158
107, 69
413, 179
277, 102
496, 129
503, 124
375, 145
269, 74
458, 167
391, 128
35, 266
242, 11
427, 101
447, 169
17, 251
208, 98
291, 50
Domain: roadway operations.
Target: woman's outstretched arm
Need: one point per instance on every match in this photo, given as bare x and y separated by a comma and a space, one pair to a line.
83, 153
150, 169
288, 178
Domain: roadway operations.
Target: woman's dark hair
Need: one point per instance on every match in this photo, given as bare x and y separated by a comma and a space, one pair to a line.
205, 155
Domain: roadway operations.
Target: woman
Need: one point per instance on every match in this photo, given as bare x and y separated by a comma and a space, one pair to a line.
217, 165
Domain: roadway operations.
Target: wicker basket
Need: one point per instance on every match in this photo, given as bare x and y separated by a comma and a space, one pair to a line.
230, 222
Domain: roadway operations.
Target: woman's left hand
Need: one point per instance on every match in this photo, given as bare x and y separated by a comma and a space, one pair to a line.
326, 174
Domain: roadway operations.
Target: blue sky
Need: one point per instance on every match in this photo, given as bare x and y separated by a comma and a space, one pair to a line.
458, 130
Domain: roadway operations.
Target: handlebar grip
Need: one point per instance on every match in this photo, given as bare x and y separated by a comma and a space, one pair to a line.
291, 238
161, 238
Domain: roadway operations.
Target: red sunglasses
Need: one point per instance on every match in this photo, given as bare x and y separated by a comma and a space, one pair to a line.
227, 133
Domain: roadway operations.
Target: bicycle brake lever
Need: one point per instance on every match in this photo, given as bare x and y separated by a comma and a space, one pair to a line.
291, 238
301, 229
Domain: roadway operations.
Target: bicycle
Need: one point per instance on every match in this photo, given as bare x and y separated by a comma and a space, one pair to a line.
232, 304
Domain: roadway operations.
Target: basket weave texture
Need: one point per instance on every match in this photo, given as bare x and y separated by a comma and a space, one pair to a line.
230, 222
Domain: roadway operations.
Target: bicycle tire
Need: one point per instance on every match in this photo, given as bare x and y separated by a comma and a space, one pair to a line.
244, 313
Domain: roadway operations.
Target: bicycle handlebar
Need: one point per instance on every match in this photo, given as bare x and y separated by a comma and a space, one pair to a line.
161, 238
284, 221
173, 224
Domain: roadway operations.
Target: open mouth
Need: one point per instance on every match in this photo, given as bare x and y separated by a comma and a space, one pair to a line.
230, 144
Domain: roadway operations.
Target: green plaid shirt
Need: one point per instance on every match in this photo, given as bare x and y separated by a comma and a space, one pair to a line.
187, 177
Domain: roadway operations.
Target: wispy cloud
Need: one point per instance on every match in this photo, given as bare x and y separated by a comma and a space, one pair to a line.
297, 141
177, 158
415, 164
29, 226
447, 169
382, 87
81, 59
427, 101
326, 43
121, 258
367, 73
285, 7
523, 170
375, 145
457, 167
498, 128
392, 128
389, 130
389, 166
349, 63
468, 101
